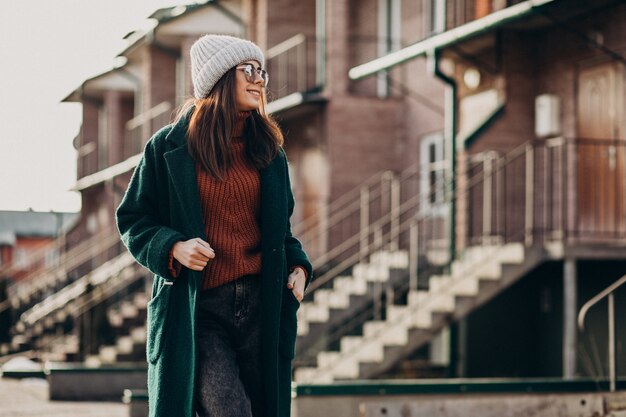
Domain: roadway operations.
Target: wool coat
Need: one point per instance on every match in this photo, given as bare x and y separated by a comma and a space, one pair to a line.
162, 206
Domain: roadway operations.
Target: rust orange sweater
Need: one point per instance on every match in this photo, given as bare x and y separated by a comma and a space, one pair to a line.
231, 210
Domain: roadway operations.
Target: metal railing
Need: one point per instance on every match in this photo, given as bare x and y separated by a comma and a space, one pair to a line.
524, 195
70, 265
547, 191
141, 127
529, 194
293, 66
463, 12
609, 294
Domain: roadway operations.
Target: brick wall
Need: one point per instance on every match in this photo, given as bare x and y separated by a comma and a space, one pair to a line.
159, 81
89, 134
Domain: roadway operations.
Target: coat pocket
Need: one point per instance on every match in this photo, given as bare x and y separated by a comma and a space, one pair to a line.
156, 321
288, 324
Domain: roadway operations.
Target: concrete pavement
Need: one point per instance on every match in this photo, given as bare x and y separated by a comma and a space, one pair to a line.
29, 398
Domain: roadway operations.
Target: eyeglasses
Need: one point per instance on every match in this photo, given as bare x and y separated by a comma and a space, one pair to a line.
250, 72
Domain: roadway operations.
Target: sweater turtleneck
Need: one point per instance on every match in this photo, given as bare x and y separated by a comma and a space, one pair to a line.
231, 213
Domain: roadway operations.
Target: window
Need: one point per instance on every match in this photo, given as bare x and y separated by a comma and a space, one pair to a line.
389, 33
435, 12
20, 258
432, 178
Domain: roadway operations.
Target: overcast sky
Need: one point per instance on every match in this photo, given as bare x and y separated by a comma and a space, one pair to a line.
47, 49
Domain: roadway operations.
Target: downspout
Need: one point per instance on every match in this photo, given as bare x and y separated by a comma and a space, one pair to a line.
458, 333
450, 133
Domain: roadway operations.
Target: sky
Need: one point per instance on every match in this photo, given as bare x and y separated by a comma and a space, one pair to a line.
47, 49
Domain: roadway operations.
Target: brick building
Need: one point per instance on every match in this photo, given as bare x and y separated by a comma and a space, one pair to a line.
27, 241
457, 168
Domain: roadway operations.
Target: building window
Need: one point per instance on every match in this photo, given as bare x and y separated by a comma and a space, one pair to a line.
435, 12
20, 258
389, 33
432, 174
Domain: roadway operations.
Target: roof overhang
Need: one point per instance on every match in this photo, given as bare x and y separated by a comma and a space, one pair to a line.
171, 25
117, 79
459, 33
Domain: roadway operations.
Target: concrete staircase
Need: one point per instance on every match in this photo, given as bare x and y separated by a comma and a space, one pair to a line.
40, 325
348, 295
480, 275
128, 320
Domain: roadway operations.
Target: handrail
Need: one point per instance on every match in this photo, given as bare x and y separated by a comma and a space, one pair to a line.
597, 298
607, 292
96, 245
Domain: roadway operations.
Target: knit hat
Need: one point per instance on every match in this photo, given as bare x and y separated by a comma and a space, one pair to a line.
213, 55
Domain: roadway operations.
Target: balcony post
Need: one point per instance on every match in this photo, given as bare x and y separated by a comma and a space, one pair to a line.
570, 306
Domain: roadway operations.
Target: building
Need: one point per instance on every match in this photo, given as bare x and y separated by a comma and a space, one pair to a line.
535, 148
457, 168
27, 241
30, 242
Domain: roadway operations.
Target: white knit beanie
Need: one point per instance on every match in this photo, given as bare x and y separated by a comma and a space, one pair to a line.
213, 55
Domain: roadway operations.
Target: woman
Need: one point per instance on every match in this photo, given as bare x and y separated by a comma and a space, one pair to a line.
207, 211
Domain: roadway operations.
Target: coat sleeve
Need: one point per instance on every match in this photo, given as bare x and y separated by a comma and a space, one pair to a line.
140, 218
293, 248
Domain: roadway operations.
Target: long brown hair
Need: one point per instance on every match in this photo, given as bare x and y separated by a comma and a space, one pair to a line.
211, 125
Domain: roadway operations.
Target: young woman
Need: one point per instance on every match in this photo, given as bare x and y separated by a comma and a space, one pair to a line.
207, 211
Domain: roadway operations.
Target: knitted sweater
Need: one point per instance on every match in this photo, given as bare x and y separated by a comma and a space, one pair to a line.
231, 210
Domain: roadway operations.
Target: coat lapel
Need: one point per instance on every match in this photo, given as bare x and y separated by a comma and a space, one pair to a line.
272, 203
182, 172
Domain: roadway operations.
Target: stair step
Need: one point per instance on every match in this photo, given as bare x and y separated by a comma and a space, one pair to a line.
140, 300
395, 259
331, 298
314, 312
374, 328
303, 327
416, 298
441, 302
312, 375
327, 359
138, 335
467, 285
108, 354
351, 285
343, 368
371, 272
124, 344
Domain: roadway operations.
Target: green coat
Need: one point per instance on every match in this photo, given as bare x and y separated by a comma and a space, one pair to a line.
162, 206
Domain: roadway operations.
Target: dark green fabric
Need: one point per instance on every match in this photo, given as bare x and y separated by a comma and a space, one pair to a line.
162, 206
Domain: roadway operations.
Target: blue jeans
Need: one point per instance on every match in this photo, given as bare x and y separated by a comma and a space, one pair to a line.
229, 380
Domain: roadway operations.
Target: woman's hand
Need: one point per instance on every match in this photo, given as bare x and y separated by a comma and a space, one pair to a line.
193, 253
296, 281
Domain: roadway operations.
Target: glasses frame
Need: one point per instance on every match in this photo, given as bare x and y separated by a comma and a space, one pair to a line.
251, 73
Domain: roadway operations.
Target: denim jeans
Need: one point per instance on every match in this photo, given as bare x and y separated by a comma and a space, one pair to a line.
229, 381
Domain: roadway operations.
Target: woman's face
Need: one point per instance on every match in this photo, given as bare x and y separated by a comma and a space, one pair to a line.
248, 94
